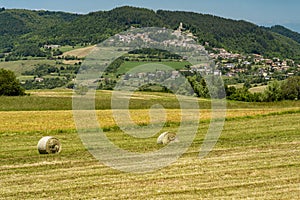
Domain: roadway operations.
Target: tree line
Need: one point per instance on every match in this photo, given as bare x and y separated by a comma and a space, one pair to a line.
208, 87
288, 89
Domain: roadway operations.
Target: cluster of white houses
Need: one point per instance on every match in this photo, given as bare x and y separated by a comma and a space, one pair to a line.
238, 63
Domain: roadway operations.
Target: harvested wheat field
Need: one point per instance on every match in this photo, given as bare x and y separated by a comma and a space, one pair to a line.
256, 157
12, 121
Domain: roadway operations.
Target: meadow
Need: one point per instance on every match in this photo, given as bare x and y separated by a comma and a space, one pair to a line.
256, 157
129, 65
76, 51
21, 66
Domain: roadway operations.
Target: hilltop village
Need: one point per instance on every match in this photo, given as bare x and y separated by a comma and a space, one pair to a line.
233, 67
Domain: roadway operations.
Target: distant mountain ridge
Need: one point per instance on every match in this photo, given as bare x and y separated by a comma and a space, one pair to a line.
19, 27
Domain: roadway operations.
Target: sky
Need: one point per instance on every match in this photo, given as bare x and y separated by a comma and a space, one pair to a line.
261, 12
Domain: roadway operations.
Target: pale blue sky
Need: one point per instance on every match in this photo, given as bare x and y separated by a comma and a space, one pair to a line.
261, 12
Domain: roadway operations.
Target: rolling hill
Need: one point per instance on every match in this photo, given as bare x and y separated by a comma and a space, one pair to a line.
21, 29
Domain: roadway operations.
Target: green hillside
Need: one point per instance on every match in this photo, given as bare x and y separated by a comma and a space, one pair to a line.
25, 29
286, 32
25, 26
238, 36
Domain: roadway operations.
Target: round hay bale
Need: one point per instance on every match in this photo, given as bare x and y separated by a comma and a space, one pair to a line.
49, 145
166, 138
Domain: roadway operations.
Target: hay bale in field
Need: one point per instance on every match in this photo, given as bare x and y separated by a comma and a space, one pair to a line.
49, 145
166, 138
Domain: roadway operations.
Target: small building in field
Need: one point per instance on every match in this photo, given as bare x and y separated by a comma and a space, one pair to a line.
52, 46
39, 80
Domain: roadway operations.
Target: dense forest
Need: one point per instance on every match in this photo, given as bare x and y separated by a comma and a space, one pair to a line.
23, 32
286, 32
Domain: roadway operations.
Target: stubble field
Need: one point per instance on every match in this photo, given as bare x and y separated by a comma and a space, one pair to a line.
256, 157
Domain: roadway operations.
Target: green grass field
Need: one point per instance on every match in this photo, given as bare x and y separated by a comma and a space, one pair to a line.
258, 89
129, 65
24, 65
61, 99
69, 48
256, 157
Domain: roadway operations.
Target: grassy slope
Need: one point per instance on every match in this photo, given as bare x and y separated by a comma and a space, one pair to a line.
21, 66
156, 65
24, 65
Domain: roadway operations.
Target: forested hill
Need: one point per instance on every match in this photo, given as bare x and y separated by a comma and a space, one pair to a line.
26, 28
286, 32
